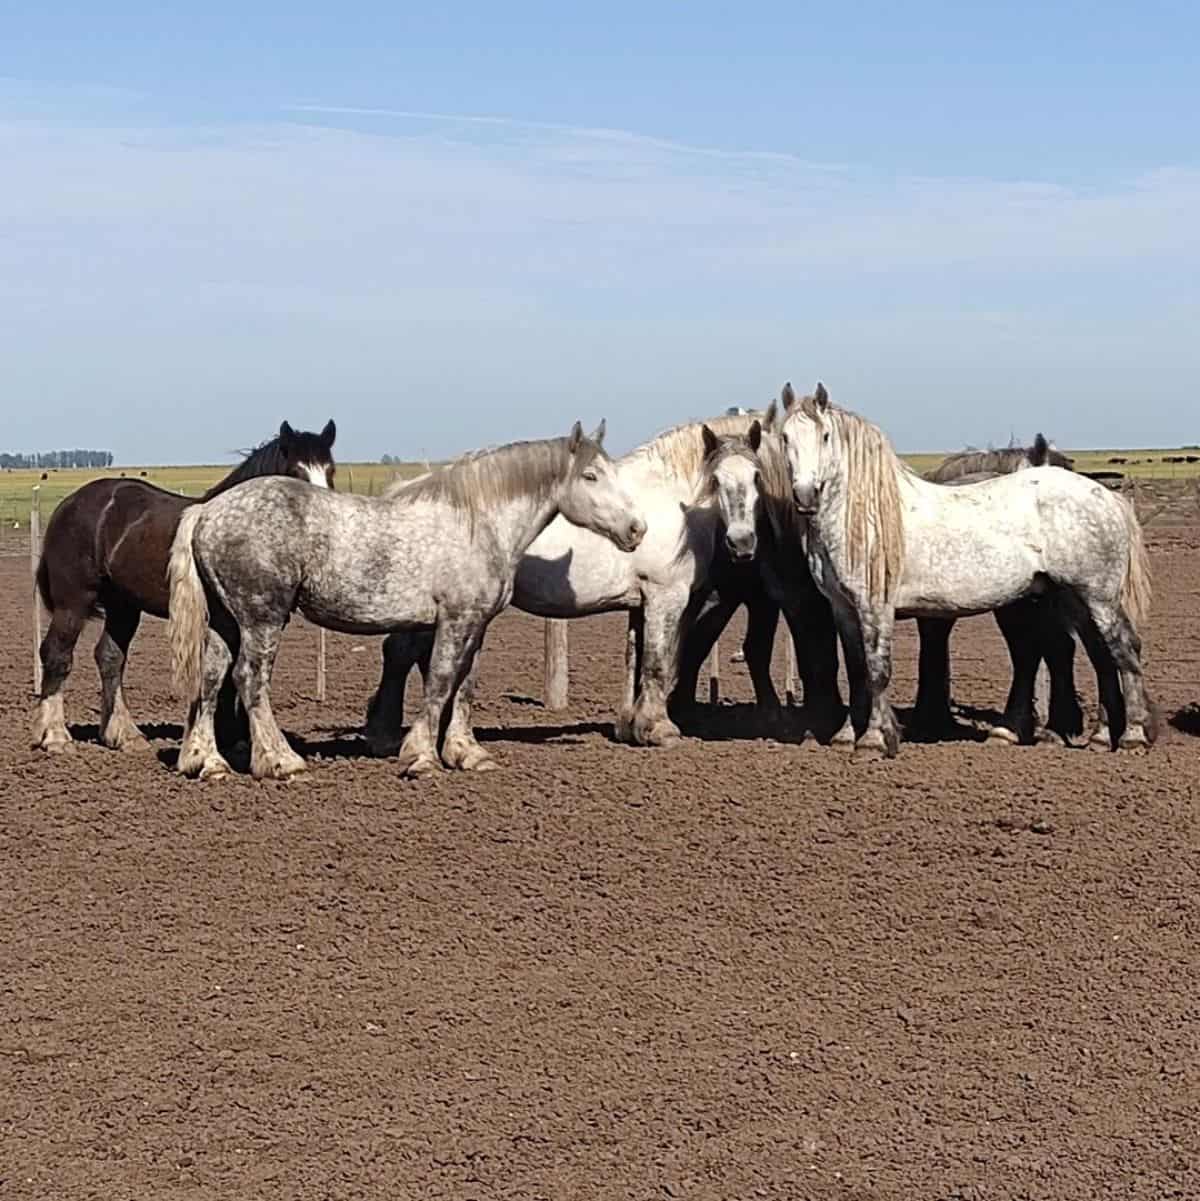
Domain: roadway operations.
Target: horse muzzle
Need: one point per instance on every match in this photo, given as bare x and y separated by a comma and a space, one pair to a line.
741, 548
633, 536
806, 497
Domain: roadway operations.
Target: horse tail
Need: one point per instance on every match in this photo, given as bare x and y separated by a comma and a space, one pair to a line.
188, 607
1135, 586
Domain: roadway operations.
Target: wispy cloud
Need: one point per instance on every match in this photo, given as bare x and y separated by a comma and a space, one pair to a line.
506, 264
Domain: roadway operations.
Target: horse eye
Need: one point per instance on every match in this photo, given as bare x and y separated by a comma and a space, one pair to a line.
825, 437
590, 476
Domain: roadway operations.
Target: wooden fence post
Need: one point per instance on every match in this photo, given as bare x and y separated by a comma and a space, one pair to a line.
714, 673
789, 677
556, 664
35, 551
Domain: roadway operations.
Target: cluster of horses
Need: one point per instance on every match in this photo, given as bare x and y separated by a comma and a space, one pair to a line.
804, 510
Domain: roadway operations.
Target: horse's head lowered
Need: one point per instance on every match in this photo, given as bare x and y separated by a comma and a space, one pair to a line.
592, 495
308, 456
731, 475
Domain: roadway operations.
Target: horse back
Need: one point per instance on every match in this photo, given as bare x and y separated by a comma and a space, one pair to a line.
111, 535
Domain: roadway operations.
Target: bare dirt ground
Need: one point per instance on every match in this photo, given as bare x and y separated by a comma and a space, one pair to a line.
737, 969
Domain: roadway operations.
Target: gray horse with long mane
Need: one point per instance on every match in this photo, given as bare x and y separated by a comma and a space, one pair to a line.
884, 543
439, 553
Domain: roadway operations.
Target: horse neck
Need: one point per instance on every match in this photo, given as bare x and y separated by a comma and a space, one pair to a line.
517, 522
266, 460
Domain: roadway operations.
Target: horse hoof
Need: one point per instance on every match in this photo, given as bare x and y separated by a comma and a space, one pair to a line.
213, 769
277, 767
662, 734
1134, 739
1003, 735
1049, 737
382, 748
54, 744
467, 756
126, 740
422, 765
1100, 740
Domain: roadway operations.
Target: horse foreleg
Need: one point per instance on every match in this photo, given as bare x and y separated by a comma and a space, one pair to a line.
932, 715
57, 654
662, 610
385, 709
762, 619
858, 712
635, 647
814, 634
117, 727
703, 621
882, 735
455, 642
461, 749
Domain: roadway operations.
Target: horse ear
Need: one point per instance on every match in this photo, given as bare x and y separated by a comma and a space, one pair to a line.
328, 434
755, 436
771, 414
286, 436
598, 436
787, 397
710, 440
575, 437
821, 396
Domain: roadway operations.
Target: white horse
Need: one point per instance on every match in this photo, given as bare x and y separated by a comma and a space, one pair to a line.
571, 572
884, 543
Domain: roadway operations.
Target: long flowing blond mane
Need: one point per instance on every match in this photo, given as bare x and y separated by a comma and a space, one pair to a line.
679, 452
874, 514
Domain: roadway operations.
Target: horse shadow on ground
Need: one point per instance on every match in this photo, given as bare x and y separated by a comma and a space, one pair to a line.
1186, 720
155, 731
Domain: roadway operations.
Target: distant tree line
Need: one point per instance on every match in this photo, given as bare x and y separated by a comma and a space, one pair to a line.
59, 458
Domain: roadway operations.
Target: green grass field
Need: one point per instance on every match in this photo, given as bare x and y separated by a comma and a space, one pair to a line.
16, 486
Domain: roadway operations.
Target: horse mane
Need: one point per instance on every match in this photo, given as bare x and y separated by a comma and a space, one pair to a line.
679, 451
874, 516
998, 462
776, 491
267, 458
485, 479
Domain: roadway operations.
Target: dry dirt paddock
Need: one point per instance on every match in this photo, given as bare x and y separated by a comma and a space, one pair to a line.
737, 969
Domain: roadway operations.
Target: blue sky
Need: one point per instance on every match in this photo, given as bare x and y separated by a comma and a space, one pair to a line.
453, 228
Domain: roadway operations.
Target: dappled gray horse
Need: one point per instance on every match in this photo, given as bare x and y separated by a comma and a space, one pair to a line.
1033, 629
884, 543
569, 572
438, 553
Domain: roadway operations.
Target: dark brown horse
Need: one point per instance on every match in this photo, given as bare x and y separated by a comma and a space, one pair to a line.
104, 555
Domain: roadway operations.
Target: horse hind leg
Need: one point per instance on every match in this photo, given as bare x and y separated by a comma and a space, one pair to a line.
270, 756
199, 756
1090, 624
1018, 724
118, 731
1064, 719
57, 653
1125, 646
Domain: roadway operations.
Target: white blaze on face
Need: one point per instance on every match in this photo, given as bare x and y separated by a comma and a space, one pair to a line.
315, 474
